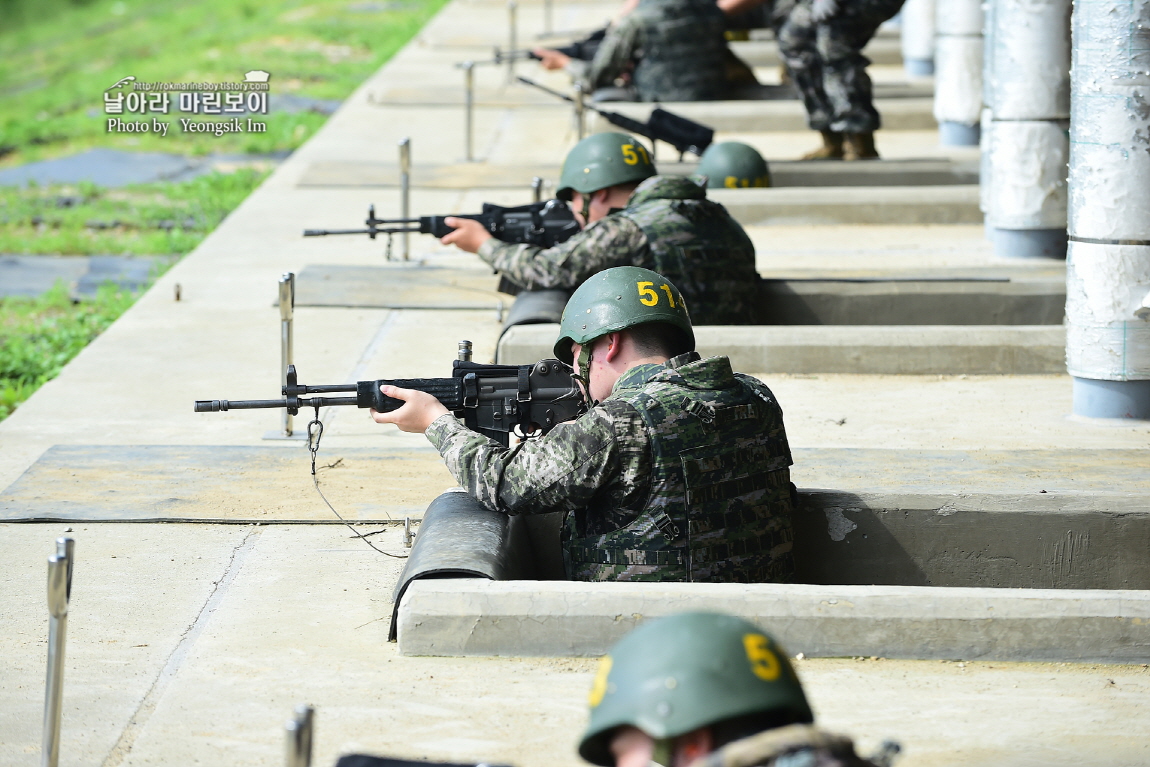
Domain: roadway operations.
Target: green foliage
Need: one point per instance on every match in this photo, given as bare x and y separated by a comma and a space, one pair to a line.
145, 219
60, 57
38, 336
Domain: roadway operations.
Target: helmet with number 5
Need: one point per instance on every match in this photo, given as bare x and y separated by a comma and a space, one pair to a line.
616, 299
603, 160
676, 674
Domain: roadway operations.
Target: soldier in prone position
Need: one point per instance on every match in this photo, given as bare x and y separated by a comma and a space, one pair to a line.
708, 690
633, 217
680, 472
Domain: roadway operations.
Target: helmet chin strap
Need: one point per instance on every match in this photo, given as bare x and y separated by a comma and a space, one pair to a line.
586, 213
585, 369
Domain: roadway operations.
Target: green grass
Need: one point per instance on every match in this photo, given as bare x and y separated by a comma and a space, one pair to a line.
145, 219
54, 69
38, 336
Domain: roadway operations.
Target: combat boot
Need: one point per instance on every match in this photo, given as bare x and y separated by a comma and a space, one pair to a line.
859, 146
832, 148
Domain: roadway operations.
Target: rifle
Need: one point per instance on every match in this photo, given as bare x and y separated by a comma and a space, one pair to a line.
582, 50
491, 399
545, 224
683, 134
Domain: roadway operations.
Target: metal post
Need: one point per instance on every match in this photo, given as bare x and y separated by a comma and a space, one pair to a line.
407, 536
405, 191
579, 127
537, 189
464, 354
469, 109
59, 594
287, 312
299, 736
547, 16
512, 8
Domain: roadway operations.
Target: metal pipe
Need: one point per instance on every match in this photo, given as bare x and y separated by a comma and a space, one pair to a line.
580, 129
536, 189
1108, 261
547, 17
59, 595
512, 45
958, 71
287, 315
299, 736
405, 192
917, 37
468, 110
1027, 91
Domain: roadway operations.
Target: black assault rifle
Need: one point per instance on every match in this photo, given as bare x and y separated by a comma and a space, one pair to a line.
494, 400
683, 134
545, 224
582, 50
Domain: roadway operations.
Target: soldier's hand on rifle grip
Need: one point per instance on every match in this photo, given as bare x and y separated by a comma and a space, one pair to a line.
419, 412
550, 59
469, 234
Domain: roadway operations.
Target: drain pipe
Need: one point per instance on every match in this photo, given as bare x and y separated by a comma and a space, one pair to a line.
917, 37
1027, 90
958, 71
1108, 261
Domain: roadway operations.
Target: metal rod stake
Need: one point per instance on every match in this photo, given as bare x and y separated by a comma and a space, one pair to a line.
299, 736
287, 313
405, 191
512, 8
547, 17
59, 594
469, 109
580, 128
537, 189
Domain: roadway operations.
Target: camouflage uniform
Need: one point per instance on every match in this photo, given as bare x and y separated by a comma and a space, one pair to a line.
668, 226
792, 746
681, 474
678, 49
826, 63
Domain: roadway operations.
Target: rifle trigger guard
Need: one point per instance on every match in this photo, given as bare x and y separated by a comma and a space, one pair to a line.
470, 390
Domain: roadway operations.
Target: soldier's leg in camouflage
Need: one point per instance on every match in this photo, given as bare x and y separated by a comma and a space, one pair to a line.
848, 86
797, 46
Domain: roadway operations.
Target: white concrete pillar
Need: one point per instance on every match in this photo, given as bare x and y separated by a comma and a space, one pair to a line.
1108, 262
917, 37
1027, 91
958, 71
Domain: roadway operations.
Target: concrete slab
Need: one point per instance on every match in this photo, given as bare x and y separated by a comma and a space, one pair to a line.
765, 53
531, 618
82, 275
935, 171
268, 624
223, 483
898, 114
957, 204
896, 350
400, 286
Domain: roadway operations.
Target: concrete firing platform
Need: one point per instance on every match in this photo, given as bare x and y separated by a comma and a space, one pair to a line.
898, 114
815, 206
765, 53
911, 172
868, 349
470, 616
192, 643
400, 286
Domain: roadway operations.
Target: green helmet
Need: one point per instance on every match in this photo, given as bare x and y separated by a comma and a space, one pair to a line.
617, 299
603, 160
676, 674
732, 165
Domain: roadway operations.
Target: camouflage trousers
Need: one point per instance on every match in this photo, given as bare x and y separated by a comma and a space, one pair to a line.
826, 62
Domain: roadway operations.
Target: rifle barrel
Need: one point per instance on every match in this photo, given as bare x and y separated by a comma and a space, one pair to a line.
544, 88
223, 405
392, 230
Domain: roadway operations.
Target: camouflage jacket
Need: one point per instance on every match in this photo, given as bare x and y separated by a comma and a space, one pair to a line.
625, 495
669, 226
797, 745
677, 47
